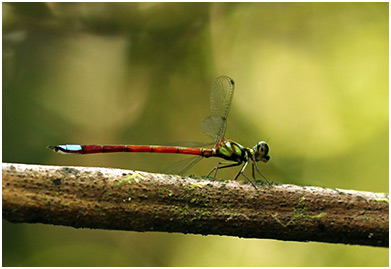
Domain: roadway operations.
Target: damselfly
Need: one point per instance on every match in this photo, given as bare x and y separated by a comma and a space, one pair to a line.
215, 126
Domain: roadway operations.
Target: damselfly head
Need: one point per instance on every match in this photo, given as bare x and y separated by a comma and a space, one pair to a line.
261, 152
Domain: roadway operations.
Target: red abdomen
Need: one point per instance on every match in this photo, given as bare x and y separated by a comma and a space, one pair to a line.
89, 149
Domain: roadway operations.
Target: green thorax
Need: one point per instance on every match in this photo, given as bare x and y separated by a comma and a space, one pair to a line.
230, 150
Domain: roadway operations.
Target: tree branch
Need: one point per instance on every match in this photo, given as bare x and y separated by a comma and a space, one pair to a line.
138, 201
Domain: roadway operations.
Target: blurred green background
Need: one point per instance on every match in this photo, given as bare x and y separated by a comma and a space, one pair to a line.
311, 78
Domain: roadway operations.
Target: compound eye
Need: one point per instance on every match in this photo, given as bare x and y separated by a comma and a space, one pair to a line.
263, 148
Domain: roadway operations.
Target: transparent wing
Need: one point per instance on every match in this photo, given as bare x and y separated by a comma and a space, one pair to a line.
191, 144
182, 166
214, 126
220, 102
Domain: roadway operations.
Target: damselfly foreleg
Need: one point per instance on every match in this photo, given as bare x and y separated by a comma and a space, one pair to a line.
254, 164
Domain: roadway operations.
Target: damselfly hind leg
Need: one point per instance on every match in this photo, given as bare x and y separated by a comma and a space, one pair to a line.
226, 165
230, 164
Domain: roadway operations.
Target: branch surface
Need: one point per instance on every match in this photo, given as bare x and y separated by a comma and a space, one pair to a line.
101, 198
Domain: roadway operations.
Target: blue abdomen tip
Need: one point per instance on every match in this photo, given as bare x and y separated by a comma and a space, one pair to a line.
70, 147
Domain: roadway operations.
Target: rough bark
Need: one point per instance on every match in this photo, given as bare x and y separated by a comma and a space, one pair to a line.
138, 201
